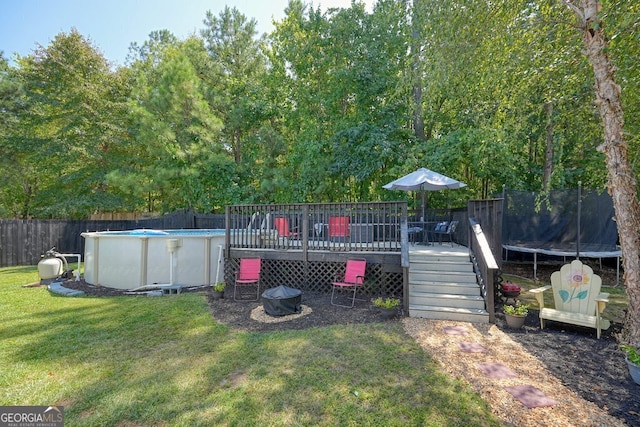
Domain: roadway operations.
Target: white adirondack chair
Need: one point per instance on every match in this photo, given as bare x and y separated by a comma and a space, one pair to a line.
577, 298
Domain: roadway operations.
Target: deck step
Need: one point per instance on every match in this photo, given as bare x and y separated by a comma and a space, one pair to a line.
438, 257
447, 300
452, 288
448, 313
441, 276
445, 266
443, 286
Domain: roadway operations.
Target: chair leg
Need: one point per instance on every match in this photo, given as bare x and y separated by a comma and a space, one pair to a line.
353, 300
236, 293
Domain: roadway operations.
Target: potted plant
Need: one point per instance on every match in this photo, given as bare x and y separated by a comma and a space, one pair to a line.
515, 314
386, 306
218, 290
632, 356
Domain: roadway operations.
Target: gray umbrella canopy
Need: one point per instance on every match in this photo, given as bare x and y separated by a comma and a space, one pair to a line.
424, 180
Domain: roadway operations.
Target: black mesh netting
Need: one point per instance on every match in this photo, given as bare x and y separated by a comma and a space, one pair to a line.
562, 222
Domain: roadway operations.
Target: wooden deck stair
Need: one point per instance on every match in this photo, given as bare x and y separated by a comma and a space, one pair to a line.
442, 285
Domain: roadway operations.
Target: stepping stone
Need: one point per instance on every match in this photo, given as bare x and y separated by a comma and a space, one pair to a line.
455, 330
530, 396
471, 347
497, 371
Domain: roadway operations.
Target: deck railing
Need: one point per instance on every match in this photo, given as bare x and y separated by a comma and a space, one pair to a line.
317, 226
485, 231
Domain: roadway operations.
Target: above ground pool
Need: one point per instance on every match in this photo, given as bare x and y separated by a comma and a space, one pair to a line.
135, 259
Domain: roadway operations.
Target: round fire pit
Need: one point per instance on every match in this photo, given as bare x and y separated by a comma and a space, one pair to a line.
282, 300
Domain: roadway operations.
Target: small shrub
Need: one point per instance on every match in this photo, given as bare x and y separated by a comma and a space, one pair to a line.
632, 352
386, 302
516, 310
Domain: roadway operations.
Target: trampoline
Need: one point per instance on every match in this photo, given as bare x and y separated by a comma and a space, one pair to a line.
561, 223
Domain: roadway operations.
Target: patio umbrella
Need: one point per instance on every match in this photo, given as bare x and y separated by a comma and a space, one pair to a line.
424, 180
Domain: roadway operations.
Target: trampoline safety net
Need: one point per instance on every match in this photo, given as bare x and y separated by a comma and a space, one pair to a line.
561, 223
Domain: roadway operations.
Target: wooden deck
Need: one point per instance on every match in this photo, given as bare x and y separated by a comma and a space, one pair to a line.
300, 250
314, 270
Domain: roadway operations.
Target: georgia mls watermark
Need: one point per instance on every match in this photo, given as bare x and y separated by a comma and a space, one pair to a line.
31, 416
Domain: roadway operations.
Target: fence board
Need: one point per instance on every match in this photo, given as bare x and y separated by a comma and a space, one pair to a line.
22, 242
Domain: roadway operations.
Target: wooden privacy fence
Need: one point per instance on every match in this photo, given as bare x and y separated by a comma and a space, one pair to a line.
22, 242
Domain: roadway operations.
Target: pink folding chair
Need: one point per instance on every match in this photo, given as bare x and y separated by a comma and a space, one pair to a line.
248, 275
353, 279
281, 225
339, 228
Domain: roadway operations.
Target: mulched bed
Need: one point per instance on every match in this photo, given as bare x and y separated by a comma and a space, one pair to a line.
237, 314
593, 368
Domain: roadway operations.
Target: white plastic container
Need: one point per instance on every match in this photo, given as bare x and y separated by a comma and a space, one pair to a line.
50, 268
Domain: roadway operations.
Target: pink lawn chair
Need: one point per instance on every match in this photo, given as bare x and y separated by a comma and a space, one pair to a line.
353, 279
248, 275
339, 228
281, 225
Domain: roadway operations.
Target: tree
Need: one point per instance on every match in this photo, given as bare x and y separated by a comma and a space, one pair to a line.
176, 152
11, 106
59, 148
231, 43
346, 101
416, 68
622, 181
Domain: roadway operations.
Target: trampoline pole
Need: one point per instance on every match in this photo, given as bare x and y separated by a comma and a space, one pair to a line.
579, 215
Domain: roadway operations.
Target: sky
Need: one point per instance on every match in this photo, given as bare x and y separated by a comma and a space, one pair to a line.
112, 25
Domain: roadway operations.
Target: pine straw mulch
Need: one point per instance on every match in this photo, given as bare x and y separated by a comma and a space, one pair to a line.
571, 409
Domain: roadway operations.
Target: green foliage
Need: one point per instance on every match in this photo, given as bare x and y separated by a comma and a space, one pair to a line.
632, 353
518, 309
61, 143
382, 302
321, 109
176, 139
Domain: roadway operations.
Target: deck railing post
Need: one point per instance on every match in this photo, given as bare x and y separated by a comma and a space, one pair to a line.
227, 234
305, 233
404, 256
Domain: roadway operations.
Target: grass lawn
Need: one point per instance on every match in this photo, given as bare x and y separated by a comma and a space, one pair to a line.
165, 361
